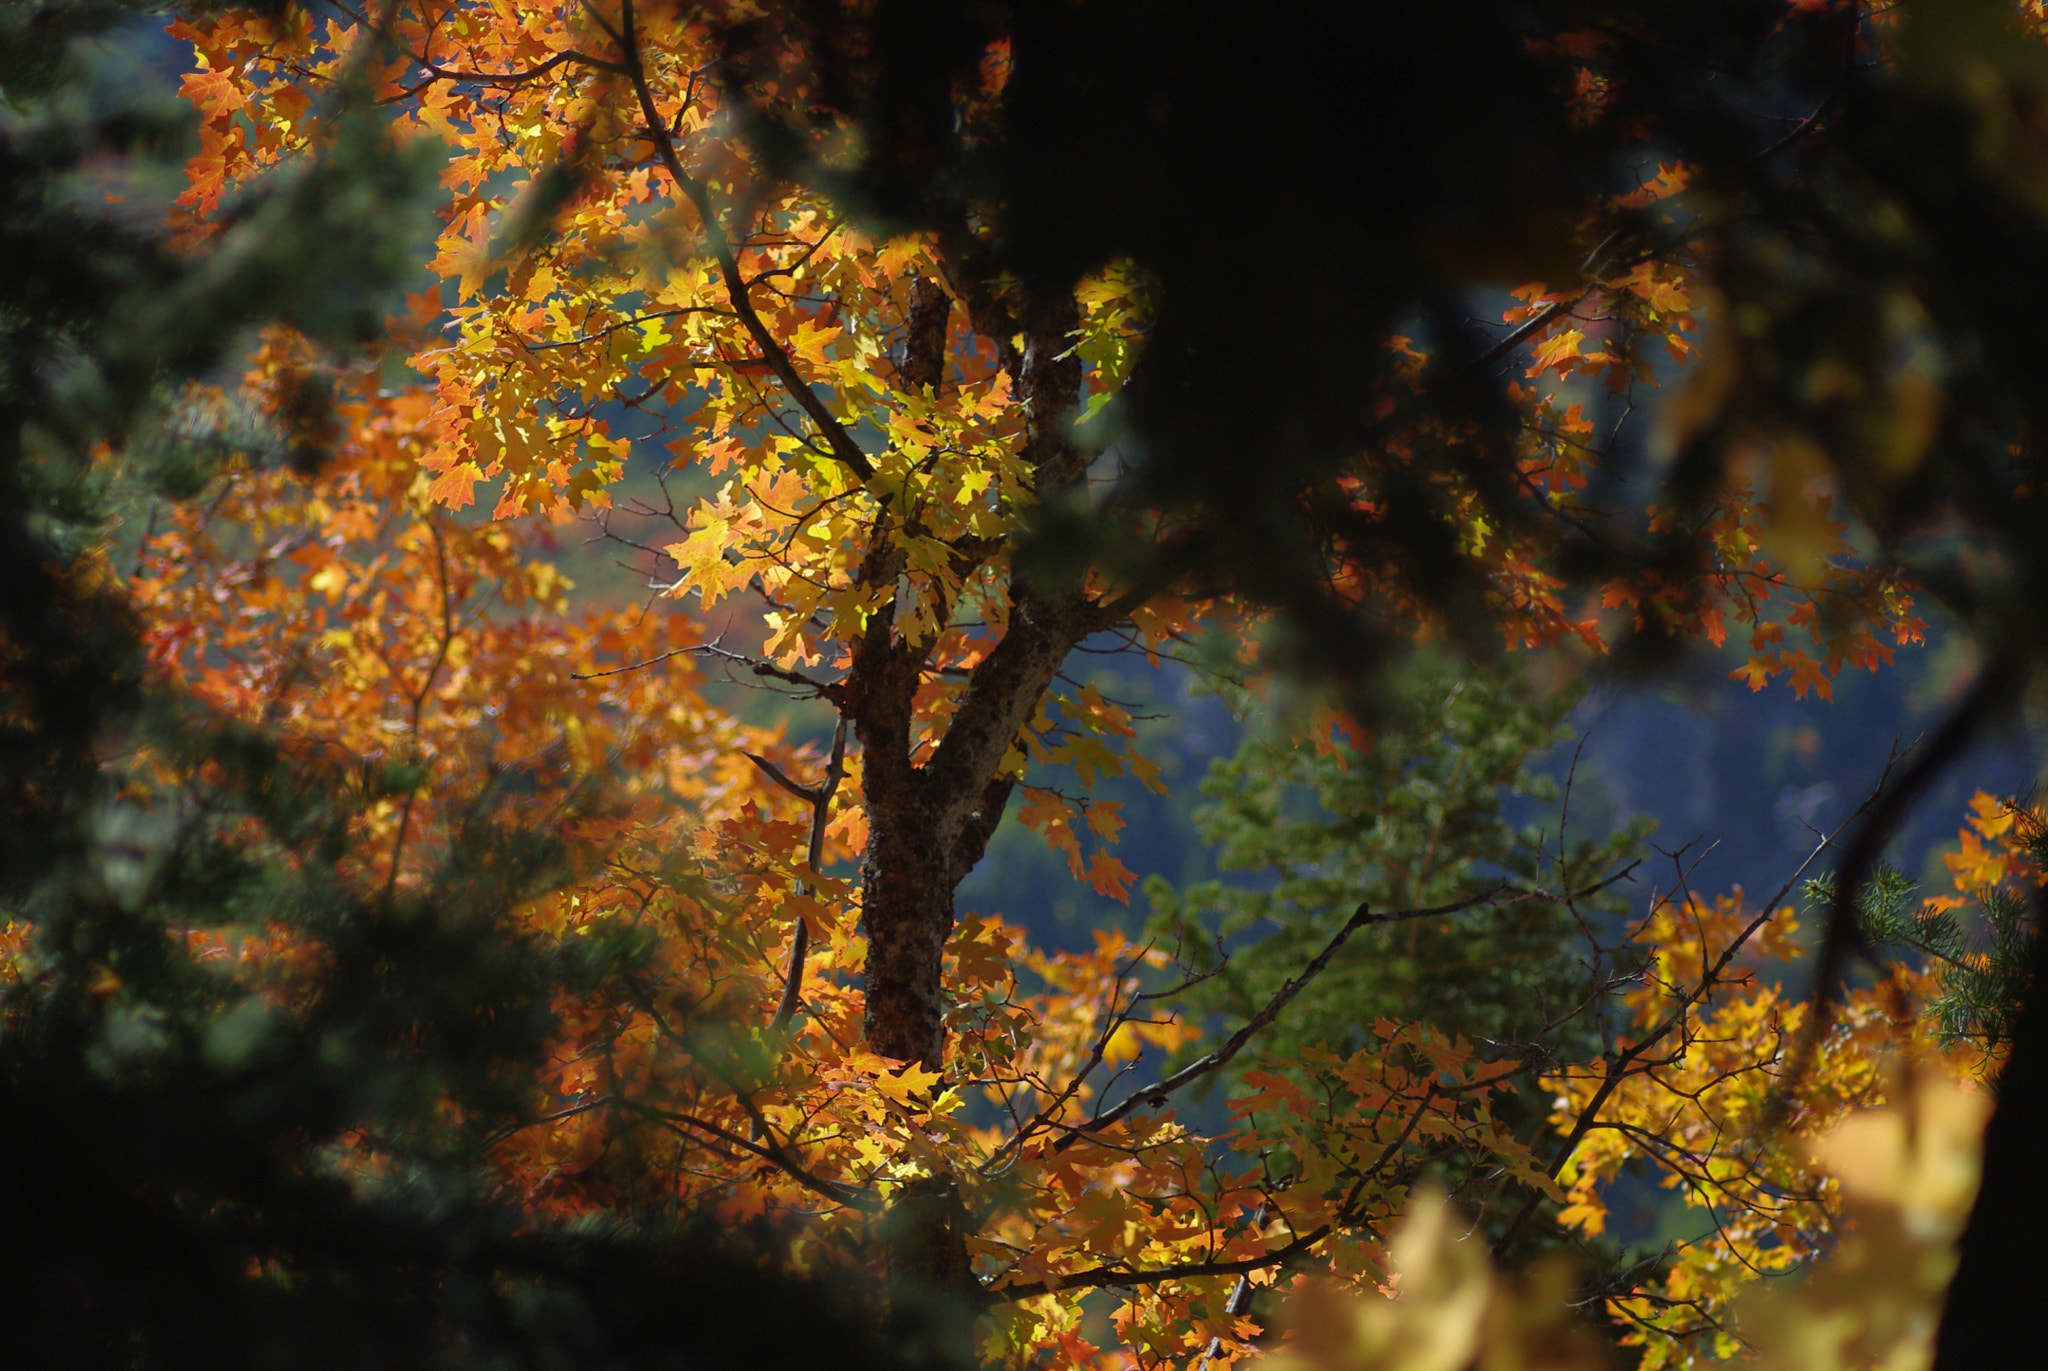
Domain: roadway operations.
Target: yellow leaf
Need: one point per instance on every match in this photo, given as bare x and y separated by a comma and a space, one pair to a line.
455, 488
1587, 1216
1557, 351
904, 1083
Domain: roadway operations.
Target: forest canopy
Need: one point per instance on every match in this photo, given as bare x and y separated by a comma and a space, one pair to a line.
426, 943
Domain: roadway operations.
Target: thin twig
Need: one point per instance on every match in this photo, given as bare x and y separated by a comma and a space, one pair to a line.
1620, 1065
820, 797
631, 666
1237, 1306
825, 690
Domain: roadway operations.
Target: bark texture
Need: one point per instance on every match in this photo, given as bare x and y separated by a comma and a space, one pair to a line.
926, 1243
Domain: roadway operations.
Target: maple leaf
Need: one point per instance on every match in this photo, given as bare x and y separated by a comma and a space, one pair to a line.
1757, 671
1557, 352
455, 487
1110, 877
1807, 674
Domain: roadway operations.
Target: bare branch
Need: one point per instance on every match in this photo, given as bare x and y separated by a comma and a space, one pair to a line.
808, 794
631, 666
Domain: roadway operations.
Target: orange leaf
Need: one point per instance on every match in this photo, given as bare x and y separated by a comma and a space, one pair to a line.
1111, 877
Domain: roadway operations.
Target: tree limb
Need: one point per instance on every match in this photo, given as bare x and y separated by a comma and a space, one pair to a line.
836, 437
820, 797
1156, 1093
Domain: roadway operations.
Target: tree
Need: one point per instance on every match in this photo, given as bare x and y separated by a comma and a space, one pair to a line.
1860, 190
1417, 813
885, 565
894, 570
887, 411
247, 1076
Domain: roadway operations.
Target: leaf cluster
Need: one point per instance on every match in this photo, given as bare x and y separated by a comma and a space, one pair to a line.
246, 1086
1435, 156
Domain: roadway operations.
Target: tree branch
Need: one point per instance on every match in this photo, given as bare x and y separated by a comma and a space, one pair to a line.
836, 437
1156, 1093
1994, 689
1124, 1277
768, 1151
820, 797
824, 690
1622, 1064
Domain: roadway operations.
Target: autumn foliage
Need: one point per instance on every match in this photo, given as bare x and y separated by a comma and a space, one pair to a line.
821, 444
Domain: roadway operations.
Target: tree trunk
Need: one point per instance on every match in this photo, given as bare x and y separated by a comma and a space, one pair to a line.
2001, 1283
926, 1238
907, 905
929, 825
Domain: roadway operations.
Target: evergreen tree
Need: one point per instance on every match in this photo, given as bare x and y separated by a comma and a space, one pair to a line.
1443, 802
